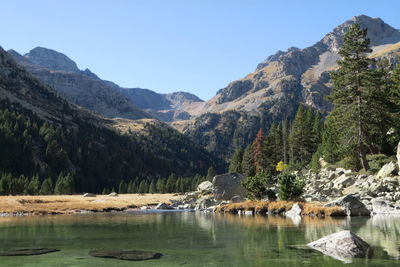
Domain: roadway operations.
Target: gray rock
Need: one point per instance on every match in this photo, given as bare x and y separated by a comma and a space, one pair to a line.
205, 187
343, 181
351, 204
113, 194
294, 211
387, 170
89, 195
227, 186
343, 246
163, 206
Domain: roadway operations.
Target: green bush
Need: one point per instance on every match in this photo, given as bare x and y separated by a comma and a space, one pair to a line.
290, 188
257, 186
376, 161
351, 162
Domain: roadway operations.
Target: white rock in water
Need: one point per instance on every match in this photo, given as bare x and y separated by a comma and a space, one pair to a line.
343, 246
163, 206
294, 211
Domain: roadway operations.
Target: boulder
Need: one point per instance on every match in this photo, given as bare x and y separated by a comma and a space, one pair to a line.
227, 186
113, 194
294, 211
351, 204
163, 206
131, 255
387, 170
89, 195
343, 246
343, 181
205, 187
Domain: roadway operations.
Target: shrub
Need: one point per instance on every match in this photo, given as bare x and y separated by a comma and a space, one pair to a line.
257, 185
290, 188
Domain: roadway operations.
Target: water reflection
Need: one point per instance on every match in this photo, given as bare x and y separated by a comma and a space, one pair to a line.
197, 239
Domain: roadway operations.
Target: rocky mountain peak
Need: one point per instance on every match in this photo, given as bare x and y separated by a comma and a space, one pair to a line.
379, 32
51, 59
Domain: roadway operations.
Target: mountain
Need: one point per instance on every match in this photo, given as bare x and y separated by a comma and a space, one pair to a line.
86, 89
42, 133
278, 85
166, 107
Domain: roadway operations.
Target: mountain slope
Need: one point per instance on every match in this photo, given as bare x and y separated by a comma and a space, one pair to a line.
277, 86
42, 133
80, 87
86, 89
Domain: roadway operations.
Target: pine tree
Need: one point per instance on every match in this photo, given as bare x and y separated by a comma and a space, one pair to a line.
47, 187
122, 189
130, 189
235, 165
358, 96
143, 187
248, 166
160, 186
34, 186
258, 153
211, 173
170, 184
152, 187
285, 140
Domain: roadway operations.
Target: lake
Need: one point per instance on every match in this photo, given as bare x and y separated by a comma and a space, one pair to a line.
192, 239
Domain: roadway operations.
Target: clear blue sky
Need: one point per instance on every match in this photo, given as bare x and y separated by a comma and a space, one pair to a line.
169, 45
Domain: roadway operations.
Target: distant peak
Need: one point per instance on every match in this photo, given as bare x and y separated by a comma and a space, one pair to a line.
51, 59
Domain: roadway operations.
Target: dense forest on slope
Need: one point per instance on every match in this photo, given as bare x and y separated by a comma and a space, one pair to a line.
363, 125
44, 136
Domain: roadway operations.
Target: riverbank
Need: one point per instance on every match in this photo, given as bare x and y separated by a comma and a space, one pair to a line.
69, 204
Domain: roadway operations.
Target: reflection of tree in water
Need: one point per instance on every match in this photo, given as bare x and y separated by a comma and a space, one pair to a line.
383, 231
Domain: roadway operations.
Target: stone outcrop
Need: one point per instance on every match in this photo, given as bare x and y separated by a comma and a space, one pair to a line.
388, 169
343, 246
163, 206
227, 186
205, 187
351, 204
384, 207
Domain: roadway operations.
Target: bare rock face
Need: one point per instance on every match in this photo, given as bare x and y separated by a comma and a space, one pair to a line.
227, 186
343, 246
294, 211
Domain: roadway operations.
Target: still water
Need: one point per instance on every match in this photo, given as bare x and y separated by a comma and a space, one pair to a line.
192, 239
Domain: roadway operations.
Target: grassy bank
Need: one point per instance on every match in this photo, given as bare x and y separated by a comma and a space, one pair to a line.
278, 207
64, 204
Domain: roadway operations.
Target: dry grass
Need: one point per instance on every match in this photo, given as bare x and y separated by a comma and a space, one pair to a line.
277, 207
69, 204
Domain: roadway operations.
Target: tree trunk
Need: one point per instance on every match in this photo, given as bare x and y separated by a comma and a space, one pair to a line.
361, 148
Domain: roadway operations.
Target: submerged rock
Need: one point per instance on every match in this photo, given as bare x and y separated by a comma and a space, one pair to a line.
343, 246
351, 204
28, 251
131, 255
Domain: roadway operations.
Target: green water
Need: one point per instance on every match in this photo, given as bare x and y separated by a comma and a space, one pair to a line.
192, 239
